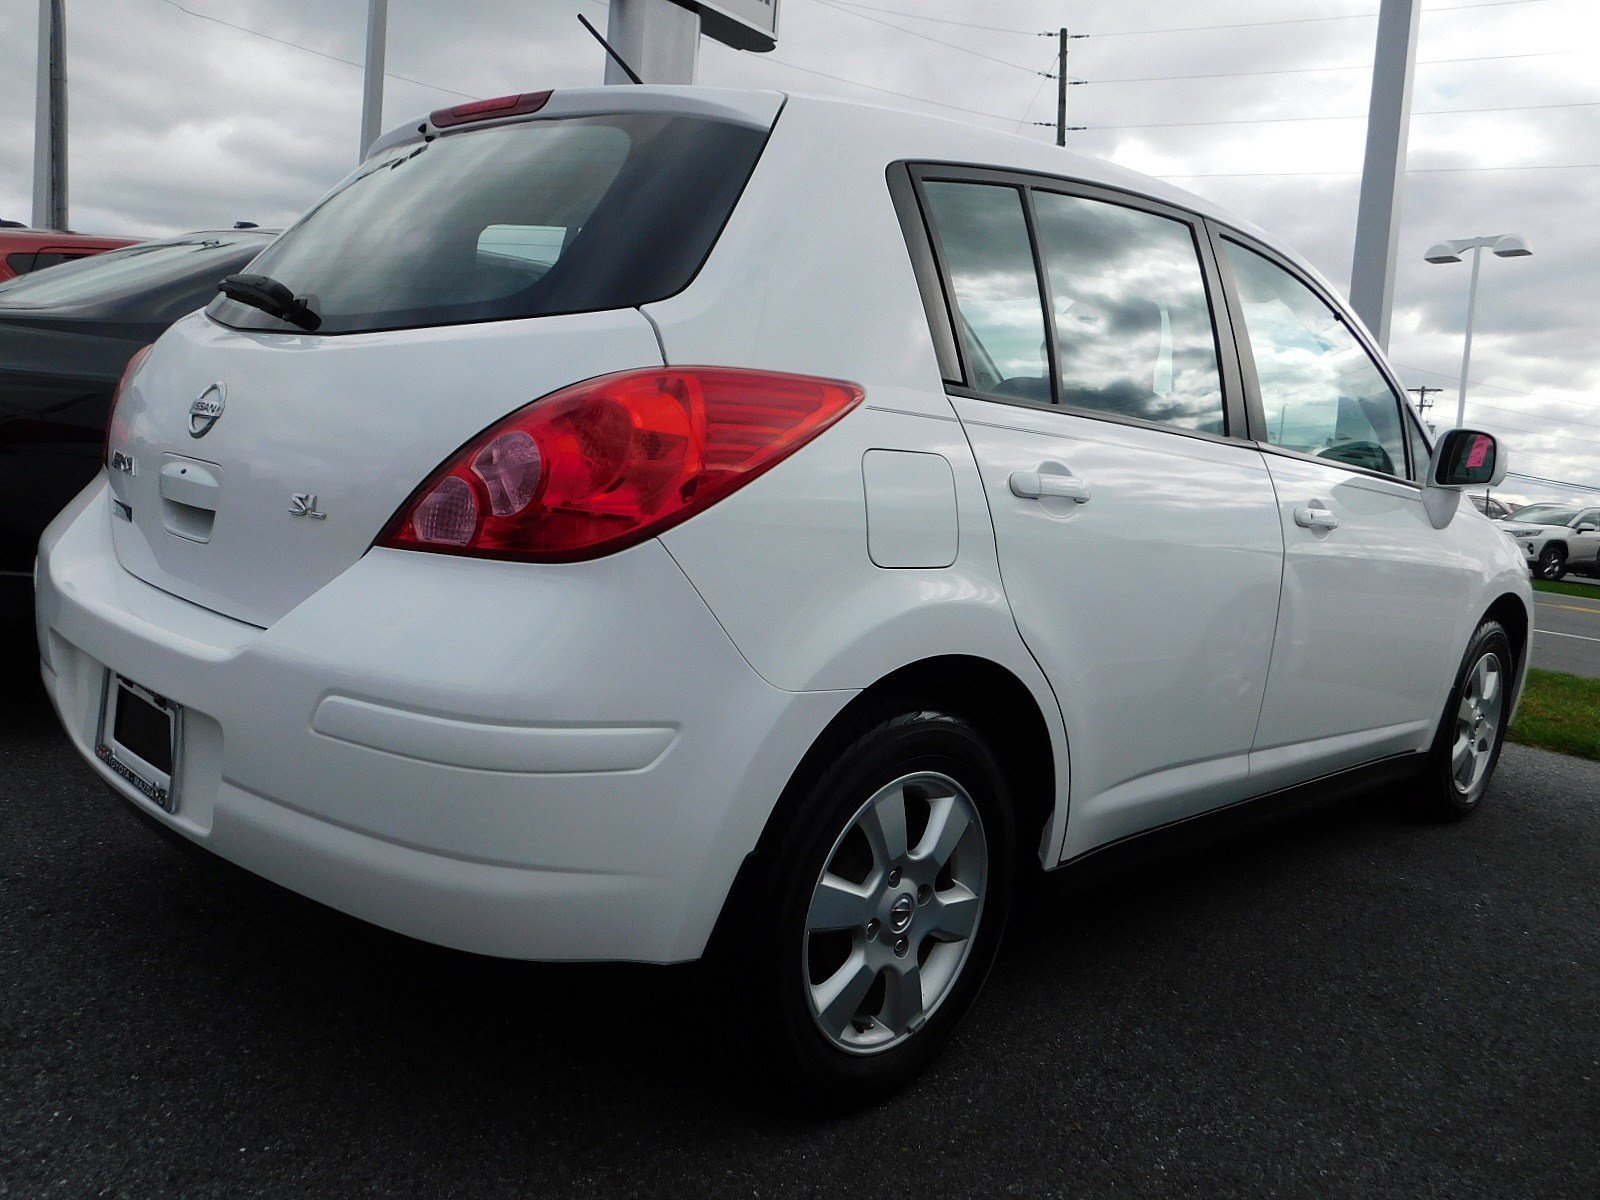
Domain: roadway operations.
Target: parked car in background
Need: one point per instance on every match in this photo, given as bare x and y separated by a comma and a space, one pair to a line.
1557, 538
703, 531
1490, 507
24, 250
66, 336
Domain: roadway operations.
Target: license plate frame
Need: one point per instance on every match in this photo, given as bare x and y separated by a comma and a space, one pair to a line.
131, 713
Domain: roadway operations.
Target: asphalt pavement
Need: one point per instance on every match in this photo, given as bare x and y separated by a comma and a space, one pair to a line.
1567, 633
1345, 1003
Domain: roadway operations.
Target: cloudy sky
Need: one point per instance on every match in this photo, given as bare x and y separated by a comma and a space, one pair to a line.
182, 119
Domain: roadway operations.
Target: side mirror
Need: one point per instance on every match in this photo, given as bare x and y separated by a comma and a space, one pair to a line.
1462, 458
1467, 458
1585, 528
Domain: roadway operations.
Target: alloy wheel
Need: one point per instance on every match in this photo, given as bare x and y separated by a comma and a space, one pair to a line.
1478, 724
894, 912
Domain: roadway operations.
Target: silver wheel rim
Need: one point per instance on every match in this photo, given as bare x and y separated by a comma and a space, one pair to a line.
1477, 725
891, 923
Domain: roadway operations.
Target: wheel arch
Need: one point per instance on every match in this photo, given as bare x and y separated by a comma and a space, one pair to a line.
994, 698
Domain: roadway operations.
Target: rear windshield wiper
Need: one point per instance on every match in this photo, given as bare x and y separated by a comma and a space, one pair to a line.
272, 298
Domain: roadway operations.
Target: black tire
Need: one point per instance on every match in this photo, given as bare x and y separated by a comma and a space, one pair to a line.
769, 943
1442, 795
1552, 563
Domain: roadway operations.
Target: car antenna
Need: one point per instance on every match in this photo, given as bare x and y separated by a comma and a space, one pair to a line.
615, 57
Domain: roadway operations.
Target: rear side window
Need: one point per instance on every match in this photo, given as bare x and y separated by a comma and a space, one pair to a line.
1321, 393
1132, 321
983, 235
530, 219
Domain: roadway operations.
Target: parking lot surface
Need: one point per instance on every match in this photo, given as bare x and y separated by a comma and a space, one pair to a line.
1344, 1003
1567, 636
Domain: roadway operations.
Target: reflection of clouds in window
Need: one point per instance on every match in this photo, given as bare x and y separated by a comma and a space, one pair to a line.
1320, 392
1132, 322
985, 241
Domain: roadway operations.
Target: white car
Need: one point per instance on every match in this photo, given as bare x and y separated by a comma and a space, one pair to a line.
627, 523
1556, 538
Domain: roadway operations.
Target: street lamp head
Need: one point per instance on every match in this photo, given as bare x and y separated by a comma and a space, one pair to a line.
1511, 246
1442, 252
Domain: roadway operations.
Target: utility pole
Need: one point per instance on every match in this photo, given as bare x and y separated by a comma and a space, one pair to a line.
1061, 90
50, 120
1423, 403
1383, 172
372, 87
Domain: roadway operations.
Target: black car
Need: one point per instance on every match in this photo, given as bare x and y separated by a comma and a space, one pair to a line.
66, 335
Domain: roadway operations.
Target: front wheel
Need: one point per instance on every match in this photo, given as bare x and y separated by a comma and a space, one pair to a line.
1552, 563
879, 912
1467, 747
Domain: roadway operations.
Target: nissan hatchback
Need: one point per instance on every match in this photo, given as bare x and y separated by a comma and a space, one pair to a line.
647, 522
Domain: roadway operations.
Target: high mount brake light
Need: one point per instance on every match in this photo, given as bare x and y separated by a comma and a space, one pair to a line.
128, 372
602, 465
488, 110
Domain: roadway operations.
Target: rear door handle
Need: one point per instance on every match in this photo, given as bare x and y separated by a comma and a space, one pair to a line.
1035, 485
1314, 516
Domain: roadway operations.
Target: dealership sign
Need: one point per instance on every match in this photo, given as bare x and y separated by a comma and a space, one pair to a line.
742, 24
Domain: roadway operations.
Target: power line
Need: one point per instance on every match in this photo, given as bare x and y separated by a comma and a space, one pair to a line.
936, 41
1421, 62
872, 87
1558, 483
900, 12
1299, 20
1426, 112
311, 50
1409, 171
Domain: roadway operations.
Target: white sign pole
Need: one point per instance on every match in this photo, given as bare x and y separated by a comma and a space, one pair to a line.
659, 39
1383, 174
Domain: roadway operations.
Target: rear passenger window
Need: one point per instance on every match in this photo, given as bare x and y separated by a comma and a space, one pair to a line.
1321, 392
984, 238
1132, 322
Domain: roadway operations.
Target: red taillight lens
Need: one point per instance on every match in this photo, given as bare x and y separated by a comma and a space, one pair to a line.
487, 110
128, 372
604, 464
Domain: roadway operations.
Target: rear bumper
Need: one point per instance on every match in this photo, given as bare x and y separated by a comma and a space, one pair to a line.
534, 762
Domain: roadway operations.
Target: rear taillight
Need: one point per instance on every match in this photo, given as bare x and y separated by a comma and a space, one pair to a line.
489, 110
128, 372
605, 464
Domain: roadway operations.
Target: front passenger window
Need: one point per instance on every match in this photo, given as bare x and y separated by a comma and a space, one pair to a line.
1322, 394
984, 237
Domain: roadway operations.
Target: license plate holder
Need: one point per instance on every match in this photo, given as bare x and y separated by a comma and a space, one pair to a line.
139, 739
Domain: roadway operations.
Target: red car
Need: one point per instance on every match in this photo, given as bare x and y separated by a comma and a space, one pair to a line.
23, 250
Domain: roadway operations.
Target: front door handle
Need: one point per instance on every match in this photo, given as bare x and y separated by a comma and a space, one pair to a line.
1314, 516
1035, 485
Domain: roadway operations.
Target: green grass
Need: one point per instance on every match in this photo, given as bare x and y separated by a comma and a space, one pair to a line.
1589, 591
1560, 712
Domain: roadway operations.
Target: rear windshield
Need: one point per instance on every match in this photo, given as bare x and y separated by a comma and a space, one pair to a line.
522, 220
130, 271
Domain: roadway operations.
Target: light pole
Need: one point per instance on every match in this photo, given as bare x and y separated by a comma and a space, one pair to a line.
1504, 245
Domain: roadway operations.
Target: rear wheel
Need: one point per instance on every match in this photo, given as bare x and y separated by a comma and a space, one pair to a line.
1552, 563
880, 909
1470, 736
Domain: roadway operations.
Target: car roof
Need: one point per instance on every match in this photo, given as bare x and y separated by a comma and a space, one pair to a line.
922, 135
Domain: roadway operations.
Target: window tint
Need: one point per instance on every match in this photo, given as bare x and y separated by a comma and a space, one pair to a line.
539, 217
1132, 322
21, 262
1321, 393
984, 236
